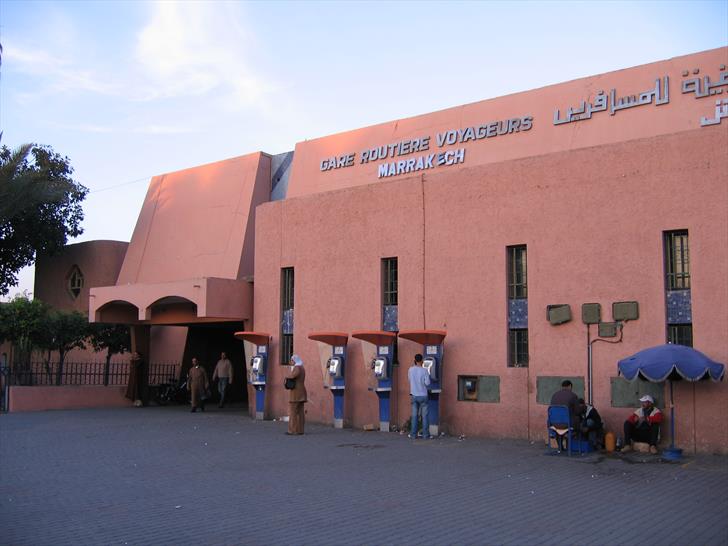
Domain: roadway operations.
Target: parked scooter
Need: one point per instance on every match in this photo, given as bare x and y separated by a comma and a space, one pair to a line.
174, 392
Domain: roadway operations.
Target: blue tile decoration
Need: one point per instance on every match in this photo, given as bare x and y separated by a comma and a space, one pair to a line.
679, 308
518, 313
287, 321
390, 322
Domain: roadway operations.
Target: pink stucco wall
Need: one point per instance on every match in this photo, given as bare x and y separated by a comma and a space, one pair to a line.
194, 223
50, 398
683, 112
99, 261
593, 221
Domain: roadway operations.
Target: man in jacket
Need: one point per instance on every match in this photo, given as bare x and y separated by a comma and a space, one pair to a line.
198, 385
224, 375
643, 425
419, 380
297, 397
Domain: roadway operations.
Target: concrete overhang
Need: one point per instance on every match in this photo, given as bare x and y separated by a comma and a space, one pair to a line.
189, 301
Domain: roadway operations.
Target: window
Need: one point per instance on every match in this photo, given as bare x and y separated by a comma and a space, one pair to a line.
518, 347
677, 288
680, 334
390, 318
517, 273
287, 298
677, 260
517, 285
389, 281
74, 282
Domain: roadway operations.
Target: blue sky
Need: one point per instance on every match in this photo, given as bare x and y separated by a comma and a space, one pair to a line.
129, 89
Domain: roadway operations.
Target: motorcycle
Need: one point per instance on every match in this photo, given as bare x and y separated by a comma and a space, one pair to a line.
173, 392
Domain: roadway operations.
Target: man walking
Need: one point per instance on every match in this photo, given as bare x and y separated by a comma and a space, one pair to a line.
419, 380
224, 375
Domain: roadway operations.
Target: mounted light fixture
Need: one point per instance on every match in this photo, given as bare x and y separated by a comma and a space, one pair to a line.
591, 313
625, 310
558, 314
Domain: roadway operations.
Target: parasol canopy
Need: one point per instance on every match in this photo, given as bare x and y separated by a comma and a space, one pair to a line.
670, 362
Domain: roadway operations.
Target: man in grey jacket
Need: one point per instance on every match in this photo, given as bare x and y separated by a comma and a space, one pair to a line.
419, 380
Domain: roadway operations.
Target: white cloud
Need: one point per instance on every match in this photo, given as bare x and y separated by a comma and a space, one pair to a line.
59, 73
163, 130
195, 48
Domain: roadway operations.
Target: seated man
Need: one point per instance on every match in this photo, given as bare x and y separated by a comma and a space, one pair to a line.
566, 397
592, 427
643, 425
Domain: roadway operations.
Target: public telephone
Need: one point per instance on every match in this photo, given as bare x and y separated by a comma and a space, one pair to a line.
334, 366
258, 365
256, 348
332, 359
379, 365
430, 364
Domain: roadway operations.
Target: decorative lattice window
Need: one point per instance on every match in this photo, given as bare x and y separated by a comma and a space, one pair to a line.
74, 282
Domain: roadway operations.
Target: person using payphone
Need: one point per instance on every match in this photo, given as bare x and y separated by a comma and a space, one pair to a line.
419, 380
297, 397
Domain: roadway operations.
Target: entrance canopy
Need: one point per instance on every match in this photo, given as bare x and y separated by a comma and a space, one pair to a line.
180, 302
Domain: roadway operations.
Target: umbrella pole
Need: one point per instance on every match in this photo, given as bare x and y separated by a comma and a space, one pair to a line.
672, 419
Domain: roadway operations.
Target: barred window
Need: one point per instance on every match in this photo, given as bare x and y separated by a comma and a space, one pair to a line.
517, 272
74, 282
389, 281
518, 347
680, 334
677, 260
287, 298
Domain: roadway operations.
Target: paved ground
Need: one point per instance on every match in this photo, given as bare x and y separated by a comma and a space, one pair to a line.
164, 476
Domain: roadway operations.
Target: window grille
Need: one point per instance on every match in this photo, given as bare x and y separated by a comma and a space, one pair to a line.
680, 334
677, 260
518, 347
287, 299
517, 272
75, 282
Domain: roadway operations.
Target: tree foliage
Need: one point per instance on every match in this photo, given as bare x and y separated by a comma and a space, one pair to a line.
23, 323
114, 338
40, 207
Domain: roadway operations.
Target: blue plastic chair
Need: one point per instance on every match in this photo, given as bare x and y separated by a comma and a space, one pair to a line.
559, 426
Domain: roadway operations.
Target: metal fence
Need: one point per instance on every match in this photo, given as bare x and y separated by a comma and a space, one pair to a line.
87, 373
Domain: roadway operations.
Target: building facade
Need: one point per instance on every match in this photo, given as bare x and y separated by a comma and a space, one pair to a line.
495, 222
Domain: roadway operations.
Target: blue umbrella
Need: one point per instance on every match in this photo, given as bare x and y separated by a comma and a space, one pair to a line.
673, 363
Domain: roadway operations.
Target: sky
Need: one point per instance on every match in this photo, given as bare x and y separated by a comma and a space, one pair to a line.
128, 90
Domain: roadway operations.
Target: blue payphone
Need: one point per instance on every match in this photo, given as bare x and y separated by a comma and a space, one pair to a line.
432, 351
332, 350
379, 369
257, 345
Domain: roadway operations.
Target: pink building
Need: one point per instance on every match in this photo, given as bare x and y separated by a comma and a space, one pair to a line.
494, 222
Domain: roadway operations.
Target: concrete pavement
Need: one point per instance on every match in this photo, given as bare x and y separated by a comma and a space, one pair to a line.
161, 475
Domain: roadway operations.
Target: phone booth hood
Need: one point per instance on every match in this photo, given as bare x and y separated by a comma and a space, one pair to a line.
424, 337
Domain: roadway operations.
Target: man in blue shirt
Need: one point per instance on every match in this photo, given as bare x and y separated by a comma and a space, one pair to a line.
419, 380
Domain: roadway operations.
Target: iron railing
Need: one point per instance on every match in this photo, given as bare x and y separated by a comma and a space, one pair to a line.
87, 373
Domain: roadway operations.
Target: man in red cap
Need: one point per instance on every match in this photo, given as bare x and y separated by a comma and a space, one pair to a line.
643, 425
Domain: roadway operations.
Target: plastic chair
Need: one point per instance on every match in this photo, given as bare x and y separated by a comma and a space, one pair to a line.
559, 426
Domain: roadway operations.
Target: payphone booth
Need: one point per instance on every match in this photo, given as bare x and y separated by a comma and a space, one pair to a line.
257, 345
378, 352
332, 357
432, 345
